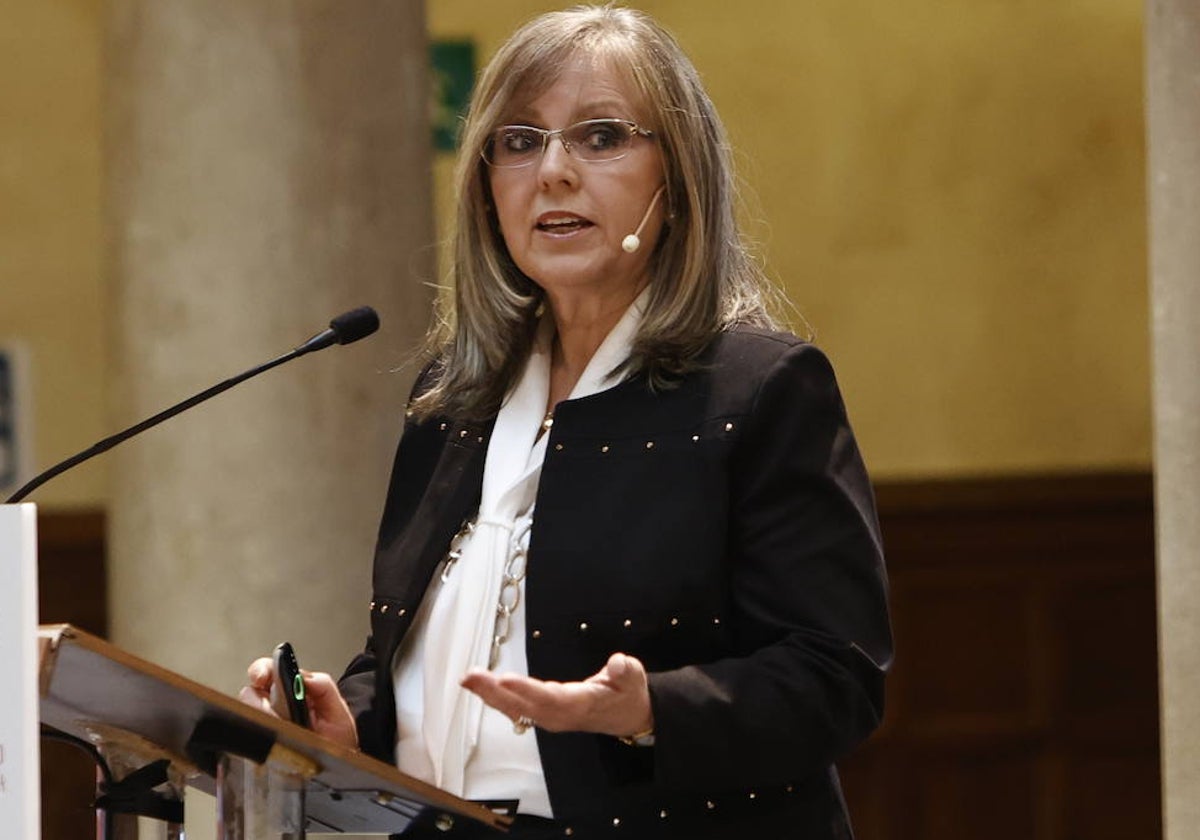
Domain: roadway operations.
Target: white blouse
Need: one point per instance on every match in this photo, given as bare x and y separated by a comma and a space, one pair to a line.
446, 735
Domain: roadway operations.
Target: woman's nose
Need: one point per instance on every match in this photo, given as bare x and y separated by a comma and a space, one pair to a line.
556, 164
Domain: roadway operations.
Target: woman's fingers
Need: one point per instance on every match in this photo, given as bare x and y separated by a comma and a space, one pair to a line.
328, 712
622, 672
497, 694
252, 696
261, 672
613, 701
517, 696
626, 676
258, 692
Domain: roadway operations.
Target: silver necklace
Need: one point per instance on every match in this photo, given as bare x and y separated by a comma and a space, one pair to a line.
510, 582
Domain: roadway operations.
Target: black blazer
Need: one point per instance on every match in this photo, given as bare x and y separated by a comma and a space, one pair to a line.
722, 531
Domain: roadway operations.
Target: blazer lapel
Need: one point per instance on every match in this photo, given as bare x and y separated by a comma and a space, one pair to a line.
451, 496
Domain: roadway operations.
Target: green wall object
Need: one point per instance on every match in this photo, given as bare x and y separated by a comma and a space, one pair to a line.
453, 65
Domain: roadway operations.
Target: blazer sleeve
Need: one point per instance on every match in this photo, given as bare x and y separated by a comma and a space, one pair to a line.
808, 602
357, 684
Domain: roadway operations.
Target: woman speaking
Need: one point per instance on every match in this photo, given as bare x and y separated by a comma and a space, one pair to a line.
629, 571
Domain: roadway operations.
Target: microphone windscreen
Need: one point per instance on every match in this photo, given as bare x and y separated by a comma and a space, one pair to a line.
355, 324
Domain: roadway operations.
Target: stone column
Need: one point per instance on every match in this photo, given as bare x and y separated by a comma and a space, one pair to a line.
1173, 110
268, 167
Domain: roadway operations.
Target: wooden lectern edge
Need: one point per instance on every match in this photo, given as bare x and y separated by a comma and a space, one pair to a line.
51, 635
293, 762
47, 648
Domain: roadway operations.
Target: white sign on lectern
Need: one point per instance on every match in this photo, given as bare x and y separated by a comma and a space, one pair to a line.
20, 801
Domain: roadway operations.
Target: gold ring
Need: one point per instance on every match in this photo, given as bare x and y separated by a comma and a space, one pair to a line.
521, 725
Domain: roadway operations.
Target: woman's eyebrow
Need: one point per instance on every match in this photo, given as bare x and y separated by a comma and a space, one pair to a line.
602, 107
584, 111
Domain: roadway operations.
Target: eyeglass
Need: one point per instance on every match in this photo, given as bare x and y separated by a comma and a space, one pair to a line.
594, 141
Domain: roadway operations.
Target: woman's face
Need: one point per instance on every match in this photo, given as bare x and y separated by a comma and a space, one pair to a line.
563, 218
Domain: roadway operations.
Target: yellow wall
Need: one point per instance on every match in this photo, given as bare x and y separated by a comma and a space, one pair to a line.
953, 196
51, 292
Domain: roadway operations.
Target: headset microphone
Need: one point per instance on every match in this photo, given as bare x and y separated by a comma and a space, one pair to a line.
633, 241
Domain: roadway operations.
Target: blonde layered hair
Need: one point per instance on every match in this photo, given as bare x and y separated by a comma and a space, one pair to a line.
703, 279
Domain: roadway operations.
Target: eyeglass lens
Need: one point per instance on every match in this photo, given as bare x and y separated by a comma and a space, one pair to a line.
592, 140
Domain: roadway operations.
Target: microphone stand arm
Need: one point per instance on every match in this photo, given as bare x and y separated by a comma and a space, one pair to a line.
111, 441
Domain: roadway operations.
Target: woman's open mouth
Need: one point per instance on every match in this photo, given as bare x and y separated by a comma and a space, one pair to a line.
562, 223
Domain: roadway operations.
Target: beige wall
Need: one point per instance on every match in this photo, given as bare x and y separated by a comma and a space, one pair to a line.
52, 296
952, 194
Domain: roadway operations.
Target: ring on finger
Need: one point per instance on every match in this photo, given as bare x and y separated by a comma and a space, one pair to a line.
522, 724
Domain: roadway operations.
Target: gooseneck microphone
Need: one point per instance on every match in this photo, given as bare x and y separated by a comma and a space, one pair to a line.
344, 329
634, 241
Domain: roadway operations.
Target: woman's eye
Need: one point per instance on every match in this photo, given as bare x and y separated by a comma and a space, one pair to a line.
517, 142
603, 137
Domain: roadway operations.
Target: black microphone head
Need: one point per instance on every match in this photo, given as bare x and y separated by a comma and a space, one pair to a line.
355, 324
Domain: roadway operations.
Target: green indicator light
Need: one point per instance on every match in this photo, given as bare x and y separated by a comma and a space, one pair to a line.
298, 687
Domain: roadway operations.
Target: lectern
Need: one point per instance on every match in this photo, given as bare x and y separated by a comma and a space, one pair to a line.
271, 778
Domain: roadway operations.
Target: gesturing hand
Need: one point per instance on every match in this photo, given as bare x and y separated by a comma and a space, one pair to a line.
613, 701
